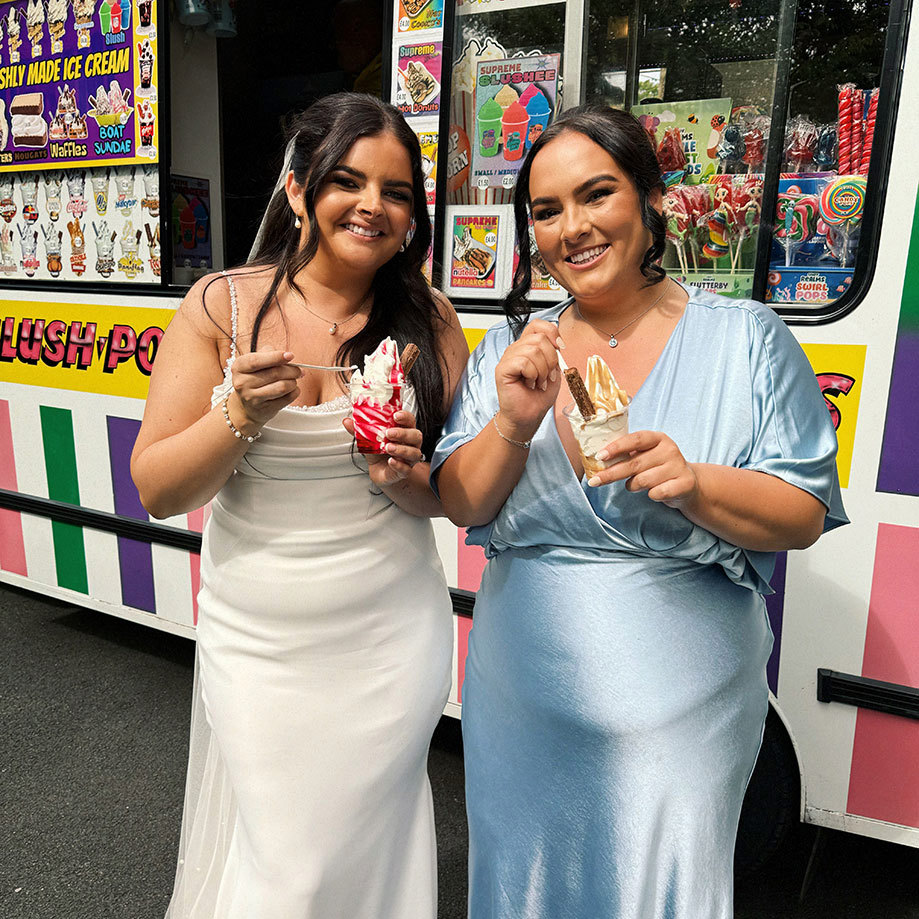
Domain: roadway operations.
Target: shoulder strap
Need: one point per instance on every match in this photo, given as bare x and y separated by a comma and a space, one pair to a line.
234, 313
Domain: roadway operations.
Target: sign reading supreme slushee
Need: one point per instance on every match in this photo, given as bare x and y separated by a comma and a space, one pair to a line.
77, 84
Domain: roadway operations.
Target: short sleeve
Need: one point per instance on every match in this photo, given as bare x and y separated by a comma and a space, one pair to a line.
793, 434
475, 401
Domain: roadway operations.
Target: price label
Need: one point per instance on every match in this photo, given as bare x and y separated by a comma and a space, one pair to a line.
507, 181
482, 182
404, 23
429, 184
401, 97
553, 284
491, 239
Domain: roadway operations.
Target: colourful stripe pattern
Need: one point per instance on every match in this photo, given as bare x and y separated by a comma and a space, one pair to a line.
61, 472
899, 471
12, 545
135, 557
882, 780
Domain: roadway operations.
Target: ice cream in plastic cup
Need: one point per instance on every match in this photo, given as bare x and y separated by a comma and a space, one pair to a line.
592, 436
373, 406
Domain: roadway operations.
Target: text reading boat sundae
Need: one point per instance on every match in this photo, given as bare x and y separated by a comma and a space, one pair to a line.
377, 394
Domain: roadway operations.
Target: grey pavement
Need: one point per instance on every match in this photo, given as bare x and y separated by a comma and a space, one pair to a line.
93, 737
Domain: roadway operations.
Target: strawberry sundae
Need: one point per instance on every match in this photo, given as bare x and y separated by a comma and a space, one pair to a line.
376, 395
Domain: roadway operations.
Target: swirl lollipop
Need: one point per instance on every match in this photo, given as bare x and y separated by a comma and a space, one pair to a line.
841, 205
798, 218
717, 245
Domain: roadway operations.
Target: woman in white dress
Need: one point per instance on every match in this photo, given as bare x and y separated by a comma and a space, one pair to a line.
324, 633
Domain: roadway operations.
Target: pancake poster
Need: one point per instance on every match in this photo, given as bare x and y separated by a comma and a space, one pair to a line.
78, 84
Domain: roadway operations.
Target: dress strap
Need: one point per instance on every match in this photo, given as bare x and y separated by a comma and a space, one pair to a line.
234, 314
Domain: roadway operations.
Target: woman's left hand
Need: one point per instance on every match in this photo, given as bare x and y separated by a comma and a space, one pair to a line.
654, 464
403, 450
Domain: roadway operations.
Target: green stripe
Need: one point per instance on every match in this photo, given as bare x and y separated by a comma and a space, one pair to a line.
909, 306
61, 471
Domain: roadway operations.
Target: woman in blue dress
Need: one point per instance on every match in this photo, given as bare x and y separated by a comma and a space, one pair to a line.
615, 688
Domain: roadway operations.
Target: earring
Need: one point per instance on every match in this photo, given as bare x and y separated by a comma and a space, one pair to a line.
409, 236
297, 223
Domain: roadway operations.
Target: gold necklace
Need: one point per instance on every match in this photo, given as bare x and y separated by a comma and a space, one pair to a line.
335, 326
613, 341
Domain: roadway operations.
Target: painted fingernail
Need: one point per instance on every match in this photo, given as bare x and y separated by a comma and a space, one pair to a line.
559, 343
553, 375
544, 385
594, 481
602, 455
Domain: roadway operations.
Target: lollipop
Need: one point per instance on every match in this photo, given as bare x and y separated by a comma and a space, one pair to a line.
747, 196
870, 119
732, 147
801, 141
676, 213
841, 205
755, 148
699, 202
670, 155
717, 245
846, 127
825, 153
797, 216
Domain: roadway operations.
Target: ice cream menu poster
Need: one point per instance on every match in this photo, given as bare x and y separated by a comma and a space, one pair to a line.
78, 83
418, 15
417, 76
514, 102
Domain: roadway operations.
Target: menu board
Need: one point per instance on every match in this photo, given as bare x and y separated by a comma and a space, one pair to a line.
78, 84
417, 77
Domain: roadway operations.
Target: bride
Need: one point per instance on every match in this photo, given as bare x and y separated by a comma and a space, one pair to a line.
325, 632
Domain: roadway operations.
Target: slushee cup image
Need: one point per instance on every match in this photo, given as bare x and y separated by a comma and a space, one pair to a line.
595, 434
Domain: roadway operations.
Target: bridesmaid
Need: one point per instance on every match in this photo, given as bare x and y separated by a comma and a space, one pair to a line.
615, 686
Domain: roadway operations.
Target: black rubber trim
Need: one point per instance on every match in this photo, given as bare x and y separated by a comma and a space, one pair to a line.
879, 696
443, 140
878, 178
142, 530
463, 602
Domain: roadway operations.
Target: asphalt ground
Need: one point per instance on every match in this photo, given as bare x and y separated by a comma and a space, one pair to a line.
93, 737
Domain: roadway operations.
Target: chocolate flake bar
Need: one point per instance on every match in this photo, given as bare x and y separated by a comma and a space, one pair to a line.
409, 355
579, 393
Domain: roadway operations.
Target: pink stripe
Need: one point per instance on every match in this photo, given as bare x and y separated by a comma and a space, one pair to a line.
463, 625
882, 781
12, 546
470, 563
196, 521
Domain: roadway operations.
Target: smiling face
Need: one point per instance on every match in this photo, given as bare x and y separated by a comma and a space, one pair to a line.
587, 219
363, 208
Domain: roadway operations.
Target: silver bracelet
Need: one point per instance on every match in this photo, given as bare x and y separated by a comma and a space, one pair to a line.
524, 444
252, 438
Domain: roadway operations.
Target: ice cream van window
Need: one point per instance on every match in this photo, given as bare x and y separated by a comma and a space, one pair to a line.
756, 205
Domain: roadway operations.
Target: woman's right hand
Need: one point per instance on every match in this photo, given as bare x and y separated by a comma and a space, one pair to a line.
528, 378
264, 383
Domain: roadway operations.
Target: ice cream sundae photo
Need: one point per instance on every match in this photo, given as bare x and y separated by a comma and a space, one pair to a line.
57, 23
147, 120
35, 26
145, 62
418, 82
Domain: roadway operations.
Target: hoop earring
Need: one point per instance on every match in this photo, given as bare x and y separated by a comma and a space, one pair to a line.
297, 223
409, 236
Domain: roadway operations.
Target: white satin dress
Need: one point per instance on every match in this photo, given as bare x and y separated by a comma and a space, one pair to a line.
323, 664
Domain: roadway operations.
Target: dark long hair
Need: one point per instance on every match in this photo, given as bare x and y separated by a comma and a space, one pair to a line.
403, 305
626, 141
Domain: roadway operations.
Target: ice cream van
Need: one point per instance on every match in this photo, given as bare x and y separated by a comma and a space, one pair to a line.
788, 151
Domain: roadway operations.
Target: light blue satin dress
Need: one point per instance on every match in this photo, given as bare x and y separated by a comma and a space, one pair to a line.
615, 687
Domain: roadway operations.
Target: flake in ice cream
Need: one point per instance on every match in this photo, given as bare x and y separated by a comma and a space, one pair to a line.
610, 417
376, 395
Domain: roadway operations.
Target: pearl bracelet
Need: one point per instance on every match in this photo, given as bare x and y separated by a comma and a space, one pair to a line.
252, 438
523, 444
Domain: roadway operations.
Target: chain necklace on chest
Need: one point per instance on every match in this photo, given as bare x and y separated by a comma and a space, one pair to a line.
336, 324
613, 340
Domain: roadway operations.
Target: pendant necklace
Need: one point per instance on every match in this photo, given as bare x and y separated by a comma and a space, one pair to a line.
335, 326
613, 340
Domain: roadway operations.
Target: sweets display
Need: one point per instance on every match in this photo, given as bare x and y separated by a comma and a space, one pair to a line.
376, 395
600, 413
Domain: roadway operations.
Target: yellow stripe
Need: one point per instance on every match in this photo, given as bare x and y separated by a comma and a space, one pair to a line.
125, 376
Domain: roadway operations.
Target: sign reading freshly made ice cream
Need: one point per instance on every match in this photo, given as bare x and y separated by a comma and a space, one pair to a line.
514, 103
77, 83
418, 72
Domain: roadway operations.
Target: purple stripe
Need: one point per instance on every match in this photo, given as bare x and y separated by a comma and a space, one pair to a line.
135, 558
775, 607
899, 470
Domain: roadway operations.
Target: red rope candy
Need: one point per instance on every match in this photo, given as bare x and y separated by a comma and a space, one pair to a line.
870, 119
845, 129
858, 127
